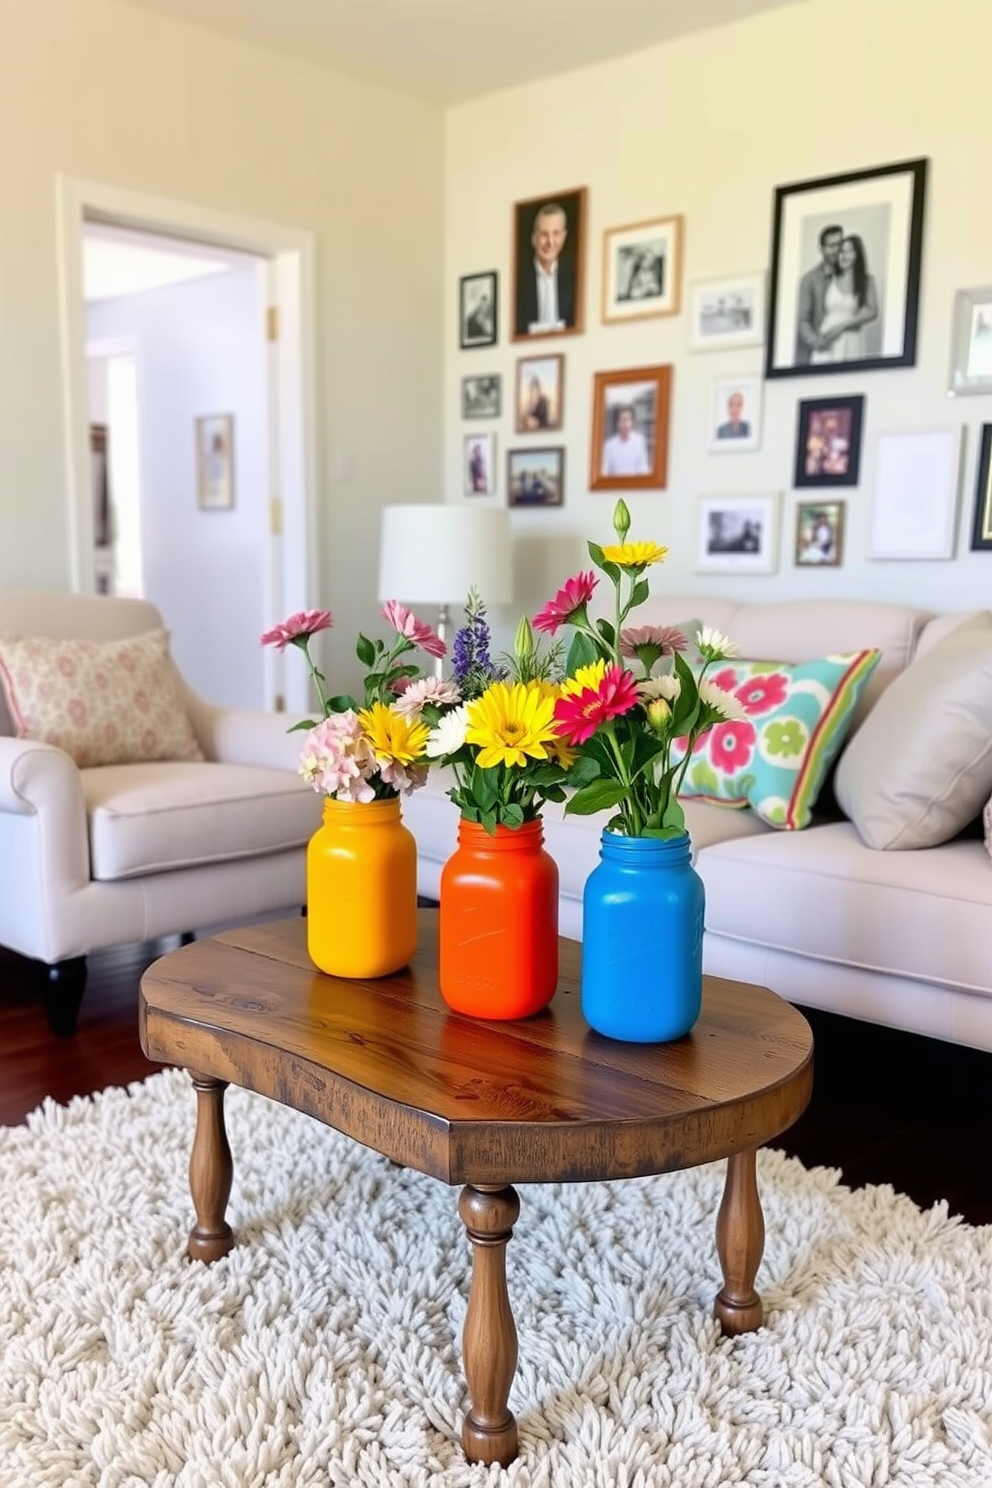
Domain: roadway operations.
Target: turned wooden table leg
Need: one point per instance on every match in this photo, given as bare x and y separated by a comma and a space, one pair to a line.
740, 1241
211, 1172
489, 1341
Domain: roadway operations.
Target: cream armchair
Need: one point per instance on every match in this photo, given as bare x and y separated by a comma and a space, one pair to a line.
91, 858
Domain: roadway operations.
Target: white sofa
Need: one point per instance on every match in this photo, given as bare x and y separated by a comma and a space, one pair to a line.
91, 858
902, 938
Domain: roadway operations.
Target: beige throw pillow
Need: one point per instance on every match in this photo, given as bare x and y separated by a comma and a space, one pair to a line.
920, 767
103, 702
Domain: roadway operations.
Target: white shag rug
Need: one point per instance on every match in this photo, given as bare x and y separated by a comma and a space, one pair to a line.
326, 1348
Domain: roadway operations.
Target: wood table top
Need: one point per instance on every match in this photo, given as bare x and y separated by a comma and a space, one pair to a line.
488, 1103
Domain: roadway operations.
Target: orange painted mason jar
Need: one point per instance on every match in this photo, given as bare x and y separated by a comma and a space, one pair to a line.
361, 890
498, 930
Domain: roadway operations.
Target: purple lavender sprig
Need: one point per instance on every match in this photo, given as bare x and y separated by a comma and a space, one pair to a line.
472, 666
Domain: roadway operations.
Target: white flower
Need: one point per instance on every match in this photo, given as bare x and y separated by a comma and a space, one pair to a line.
449, 736
426, 690
714, 645
659, 687
730, 708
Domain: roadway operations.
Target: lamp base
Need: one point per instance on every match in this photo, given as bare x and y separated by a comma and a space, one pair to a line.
443, 622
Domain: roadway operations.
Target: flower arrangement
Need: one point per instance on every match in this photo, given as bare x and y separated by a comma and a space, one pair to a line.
632, 727
374, 749
502, 741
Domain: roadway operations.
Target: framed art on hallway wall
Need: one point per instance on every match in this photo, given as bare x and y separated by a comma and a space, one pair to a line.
738, 534
549, 264
735, 415
536, 477
482, 396
642, 270
828, 441
539, 392
215, 462
981, 526
819, 534
727, 313
479, 461
478, 309
630, 412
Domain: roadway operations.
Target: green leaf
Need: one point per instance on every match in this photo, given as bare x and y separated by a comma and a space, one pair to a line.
606, 631
341, 703
365, 650
598, 796
585, 770
304, 723
488, 820
513, 815
485, 788
639, 593
582, 652
611, 570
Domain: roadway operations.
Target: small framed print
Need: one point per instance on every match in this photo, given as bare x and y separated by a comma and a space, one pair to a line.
214, 434
482, 396
971, 343
480, 464
727, 313
477, 310
540, 387
642, 269
735, 414
819, 533
536, 477
915, 493
738, 534
828, 441
630, 429
981, 527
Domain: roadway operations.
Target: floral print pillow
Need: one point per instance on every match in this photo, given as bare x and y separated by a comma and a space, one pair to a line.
777, 759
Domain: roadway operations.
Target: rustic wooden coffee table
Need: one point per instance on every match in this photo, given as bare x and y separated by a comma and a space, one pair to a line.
485, 1105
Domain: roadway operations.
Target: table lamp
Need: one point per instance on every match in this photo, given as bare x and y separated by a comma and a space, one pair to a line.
435, 553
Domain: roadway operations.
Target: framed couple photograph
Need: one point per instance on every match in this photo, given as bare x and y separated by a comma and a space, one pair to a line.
540, 390
819, 533
845, 276
642, 269
735, 415
727, 313
828, 441
549, 264
738, 534
981, 526
482, 397
630, 413
535, 477
479, 464
214, 437
477, 310
971, 342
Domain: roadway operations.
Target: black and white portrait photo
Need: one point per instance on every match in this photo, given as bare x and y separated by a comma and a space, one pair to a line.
738, 534
727, 313
477, 310
846, 272
549, 264
482, 396
642, 269
735, 414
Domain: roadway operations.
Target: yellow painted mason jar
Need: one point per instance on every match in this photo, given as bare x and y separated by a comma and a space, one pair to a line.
361, 890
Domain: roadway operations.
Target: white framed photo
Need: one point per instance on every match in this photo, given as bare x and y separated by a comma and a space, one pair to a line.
642, 269
915, 493
738, 534
479, 463
971, 343
727, 313
735, 414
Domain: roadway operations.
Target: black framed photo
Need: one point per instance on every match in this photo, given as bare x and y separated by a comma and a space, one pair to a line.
549, 235
845, 277
981, 532
536, 477
482, 396
819, 534
828, 441
478, 310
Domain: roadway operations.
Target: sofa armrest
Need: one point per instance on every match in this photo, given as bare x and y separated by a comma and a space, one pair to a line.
245, 736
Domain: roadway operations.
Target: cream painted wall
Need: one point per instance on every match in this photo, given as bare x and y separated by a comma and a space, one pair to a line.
707, 126
98, 90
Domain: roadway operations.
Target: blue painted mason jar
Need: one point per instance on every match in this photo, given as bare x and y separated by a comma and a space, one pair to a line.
642, 939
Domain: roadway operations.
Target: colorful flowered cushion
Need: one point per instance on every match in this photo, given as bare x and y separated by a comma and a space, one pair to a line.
103, 702
777, 760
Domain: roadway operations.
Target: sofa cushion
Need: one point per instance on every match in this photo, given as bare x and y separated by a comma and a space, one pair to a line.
824, 894
156, 817
103, 702
777, 758
920, 768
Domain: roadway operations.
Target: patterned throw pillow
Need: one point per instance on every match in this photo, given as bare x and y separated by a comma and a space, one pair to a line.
103, 702
777, 760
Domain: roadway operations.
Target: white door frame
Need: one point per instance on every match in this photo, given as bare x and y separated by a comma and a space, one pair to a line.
291, 251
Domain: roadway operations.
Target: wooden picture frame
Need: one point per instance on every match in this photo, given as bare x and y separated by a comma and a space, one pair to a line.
828, 441
214, 444
630, 424
819, 534
552, 229
981, 525
642, 270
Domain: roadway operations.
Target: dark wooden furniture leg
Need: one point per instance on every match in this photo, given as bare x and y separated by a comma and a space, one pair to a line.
65, 983
740, 1241
489, 1341
211, 1172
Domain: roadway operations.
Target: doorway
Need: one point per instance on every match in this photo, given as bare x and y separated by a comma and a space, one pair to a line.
284, 575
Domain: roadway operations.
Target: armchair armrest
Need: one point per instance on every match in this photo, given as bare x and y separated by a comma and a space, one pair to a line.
44, 841
245, 736
38, 779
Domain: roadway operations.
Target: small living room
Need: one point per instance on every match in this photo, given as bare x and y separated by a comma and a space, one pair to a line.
495, 884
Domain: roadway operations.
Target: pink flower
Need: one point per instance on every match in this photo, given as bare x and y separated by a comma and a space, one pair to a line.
731, 746
298, 628
337, 758
762, 693
574, 595
581, 713
421, 690
405, 778
407, 624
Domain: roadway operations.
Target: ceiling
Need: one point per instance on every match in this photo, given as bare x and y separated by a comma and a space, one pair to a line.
118, 261
452, 50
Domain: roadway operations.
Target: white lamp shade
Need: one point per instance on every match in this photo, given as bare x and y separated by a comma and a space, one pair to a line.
434, 554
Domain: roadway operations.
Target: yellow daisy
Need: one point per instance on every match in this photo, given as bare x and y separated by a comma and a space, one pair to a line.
392, 736
586, 677
510, 723
634, 554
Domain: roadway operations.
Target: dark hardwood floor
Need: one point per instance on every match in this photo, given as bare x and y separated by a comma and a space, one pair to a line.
887, 1107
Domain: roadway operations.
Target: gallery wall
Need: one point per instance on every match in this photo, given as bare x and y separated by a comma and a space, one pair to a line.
707, 128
